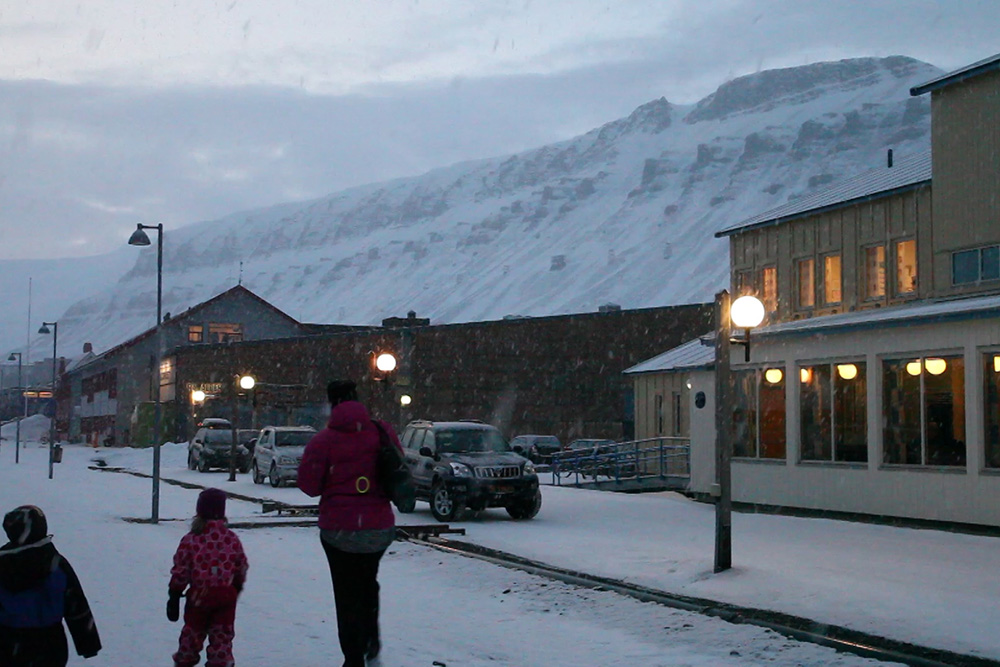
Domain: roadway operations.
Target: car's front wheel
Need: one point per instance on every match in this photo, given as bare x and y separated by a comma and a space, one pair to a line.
445, 506
273, 475
526, 508
257, 477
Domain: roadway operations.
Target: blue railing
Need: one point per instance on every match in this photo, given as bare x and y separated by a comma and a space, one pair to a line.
652, 459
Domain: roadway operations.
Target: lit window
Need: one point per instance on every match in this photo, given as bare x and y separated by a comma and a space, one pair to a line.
923, 406
196, 333
807, 283
875, 272
225, 333
831, 279
769, 291
833, 412
906, 267
759, 414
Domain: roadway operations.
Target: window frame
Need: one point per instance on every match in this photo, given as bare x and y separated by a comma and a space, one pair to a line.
896, 268
757, 446
979, 253
867, 295
830, 395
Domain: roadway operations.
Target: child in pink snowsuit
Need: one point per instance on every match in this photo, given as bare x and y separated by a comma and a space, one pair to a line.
211, 564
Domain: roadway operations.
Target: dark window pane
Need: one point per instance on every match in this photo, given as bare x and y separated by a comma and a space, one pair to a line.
944, 407
990, 263
814, 405
901, 411
772, 414
965, 267
850, 399
745, 413
991, 397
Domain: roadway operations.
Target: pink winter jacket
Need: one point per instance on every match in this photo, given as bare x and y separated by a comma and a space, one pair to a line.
339, 466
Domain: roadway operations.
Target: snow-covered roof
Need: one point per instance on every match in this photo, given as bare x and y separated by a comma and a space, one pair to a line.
694, 354
907, 173
923, 312
967, 72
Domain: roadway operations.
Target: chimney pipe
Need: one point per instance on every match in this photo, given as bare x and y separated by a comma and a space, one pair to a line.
889, 159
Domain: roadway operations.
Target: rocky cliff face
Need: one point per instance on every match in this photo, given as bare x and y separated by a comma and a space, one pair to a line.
625, 213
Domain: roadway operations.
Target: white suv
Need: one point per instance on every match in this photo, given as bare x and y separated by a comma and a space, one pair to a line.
278, 453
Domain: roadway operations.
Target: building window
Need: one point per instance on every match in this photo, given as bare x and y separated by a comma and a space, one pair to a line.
659, 414
677, 412
923, 411
875, 272
224, 333
196, 333
906, 267
833, 413
759, 414
769, 288
991, 396
807, 283
975, 266
831, 279
744, 282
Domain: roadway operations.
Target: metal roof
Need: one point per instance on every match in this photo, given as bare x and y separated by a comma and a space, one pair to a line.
967, 72
694, 354
922, 312
906, 174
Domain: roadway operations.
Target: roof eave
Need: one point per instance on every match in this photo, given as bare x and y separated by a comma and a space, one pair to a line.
956, 77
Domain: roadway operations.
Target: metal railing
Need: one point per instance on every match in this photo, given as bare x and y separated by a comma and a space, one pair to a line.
663, 458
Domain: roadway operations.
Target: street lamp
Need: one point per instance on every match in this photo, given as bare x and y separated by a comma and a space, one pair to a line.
44, 329
746, 313
17, 438
139, 238
246, 383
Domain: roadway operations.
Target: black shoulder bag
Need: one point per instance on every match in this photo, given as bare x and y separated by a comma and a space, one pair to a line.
393, 473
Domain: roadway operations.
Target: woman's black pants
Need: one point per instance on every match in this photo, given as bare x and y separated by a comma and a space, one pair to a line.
355, 592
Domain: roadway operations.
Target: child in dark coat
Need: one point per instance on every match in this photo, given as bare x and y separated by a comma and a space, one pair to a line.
211, 565
38, 591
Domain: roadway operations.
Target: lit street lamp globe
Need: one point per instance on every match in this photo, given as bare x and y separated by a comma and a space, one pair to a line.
385, 362
747, 312
198, 396
247, 382
405, 400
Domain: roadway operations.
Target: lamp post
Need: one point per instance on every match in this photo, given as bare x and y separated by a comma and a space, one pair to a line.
246, 383
139, 238
17, 438
746, 313
44, 329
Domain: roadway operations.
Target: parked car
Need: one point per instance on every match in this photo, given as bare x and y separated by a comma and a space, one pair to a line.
460, 465
215, 422
278, 452
211, 447
248, 438
538, 448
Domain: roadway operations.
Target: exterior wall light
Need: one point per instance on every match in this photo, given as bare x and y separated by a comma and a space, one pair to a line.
935, 366
847, 371
385, 362
405, 400
746, 313
773, 375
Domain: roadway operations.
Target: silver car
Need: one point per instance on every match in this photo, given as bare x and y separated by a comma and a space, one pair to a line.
278, 452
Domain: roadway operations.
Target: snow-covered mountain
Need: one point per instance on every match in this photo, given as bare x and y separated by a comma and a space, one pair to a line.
625, 213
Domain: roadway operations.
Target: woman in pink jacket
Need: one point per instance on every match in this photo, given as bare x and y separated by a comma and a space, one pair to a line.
355, 517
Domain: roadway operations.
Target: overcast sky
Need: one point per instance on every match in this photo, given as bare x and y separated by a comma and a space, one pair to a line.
117, 111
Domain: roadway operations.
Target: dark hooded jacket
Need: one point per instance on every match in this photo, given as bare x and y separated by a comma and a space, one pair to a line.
38, 590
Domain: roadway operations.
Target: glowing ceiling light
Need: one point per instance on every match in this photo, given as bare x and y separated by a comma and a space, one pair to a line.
847, 371
806, 375
773, 375
913, 368
935, 366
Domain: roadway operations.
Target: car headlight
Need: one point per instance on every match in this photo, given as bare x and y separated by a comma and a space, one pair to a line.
460, 470
529, 468
286, 460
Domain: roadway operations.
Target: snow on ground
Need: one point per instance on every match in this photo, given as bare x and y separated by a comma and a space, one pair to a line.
928, 587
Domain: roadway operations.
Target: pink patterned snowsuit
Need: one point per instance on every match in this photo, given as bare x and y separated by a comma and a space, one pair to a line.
213, 567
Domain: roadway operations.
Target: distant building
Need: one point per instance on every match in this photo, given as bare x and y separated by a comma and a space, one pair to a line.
109, 397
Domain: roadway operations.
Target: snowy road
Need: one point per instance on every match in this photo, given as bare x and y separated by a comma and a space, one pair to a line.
436, 607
